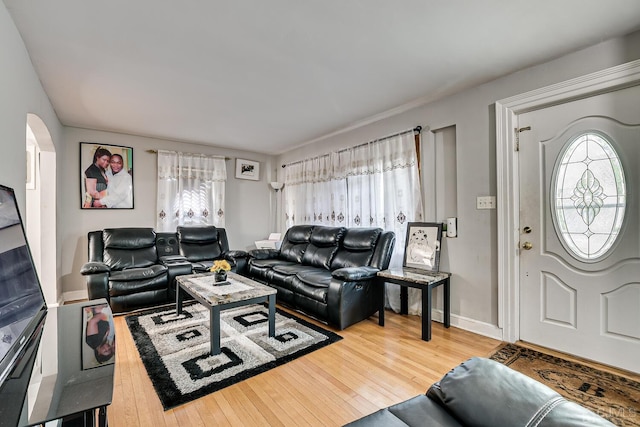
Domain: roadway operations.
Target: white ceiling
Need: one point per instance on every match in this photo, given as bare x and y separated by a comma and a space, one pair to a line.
270, 75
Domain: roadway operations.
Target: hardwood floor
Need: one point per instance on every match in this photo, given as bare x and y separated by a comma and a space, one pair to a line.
371, 368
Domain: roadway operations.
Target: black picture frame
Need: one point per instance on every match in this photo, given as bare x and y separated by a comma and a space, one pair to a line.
98, 336
422, 246
247, 169
99, 177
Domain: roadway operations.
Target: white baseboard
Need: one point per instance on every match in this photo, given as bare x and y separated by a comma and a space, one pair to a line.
75, 296
471, 325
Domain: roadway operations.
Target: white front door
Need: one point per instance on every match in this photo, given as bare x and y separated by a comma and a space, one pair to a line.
580, 228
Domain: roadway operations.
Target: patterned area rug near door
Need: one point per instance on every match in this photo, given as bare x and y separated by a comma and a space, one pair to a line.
175, 349
611, 396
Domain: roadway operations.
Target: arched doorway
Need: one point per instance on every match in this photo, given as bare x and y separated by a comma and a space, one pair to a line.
40, 216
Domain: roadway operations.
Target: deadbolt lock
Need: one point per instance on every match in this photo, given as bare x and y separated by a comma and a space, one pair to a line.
527, 229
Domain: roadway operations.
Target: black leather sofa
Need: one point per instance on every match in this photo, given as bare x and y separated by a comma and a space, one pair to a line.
326, 272
481, 392
136, 267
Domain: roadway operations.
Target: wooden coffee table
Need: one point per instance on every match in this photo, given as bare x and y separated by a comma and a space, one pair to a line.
237, 291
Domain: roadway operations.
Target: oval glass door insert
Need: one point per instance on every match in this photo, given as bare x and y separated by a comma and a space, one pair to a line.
590, 196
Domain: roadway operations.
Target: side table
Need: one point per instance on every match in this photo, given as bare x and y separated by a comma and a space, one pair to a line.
425, 280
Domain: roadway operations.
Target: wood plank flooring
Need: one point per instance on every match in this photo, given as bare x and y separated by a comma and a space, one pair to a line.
371, 368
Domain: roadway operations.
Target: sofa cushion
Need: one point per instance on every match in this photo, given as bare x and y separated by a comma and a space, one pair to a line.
129, 247
199, 243
134, 274
323, 245
295, 243
357, 248
317, 278
313, 285
138, 280
128, 238
292, 269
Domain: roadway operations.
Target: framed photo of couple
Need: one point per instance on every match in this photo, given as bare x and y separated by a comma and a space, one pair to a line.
106, 176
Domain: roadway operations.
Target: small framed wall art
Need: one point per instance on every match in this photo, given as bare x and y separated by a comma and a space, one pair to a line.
422, 247
247, 169
106, 176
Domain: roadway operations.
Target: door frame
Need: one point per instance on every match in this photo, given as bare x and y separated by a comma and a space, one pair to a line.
507, 173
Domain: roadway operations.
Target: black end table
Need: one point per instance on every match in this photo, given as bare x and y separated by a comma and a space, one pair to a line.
425, 280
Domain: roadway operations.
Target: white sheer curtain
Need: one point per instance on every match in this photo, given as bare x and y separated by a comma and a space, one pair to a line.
191, 190
372, 185
315, 193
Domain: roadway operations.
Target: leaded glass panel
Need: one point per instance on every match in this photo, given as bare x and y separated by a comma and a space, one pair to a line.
590, 196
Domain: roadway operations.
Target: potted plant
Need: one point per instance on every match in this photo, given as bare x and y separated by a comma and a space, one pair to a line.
220, 268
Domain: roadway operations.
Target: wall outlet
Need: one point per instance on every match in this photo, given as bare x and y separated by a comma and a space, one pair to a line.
486, 202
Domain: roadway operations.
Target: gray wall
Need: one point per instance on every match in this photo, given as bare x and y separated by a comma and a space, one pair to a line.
247, 202
20, 93
472, 257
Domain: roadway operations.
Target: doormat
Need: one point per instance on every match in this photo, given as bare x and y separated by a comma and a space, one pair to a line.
175, 349
611, 396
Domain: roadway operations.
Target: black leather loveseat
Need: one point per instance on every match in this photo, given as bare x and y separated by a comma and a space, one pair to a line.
481, 392
326, 272
136, 267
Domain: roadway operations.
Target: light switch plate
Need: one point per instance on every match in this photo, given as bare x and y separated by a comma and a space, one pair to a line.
486, 202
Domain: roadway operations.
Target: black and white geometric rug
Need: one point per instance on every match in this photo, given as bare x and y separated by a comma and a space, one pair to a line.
175, 349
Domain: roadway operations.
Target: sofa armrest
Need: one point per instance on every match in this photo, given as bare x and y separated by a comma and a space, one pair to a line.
94, 268
236, 254
355, 273
264, 253
167, 260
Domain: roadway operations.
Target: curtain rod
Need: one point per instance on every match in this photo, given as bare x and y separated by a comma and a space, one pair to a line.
193, 154
416, 129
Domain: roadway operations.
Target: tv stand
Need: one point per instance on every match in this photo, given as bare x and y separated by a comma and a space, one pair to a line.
60, 389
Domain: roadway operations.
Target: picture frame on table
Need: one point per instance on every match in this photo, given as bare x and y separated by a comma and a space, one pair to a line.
247, 169
106, 176
422, 246
98, 336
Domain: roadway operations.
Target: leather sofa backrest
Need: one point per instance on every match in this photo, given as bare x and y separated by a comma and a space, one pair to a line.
96, 246
357, 249
384, 250
295, 243
483, 392
202, 243
129, 247
323, 245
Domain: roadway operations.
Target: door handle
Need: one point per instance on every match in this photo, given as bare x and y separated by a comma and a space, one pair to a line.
527, 245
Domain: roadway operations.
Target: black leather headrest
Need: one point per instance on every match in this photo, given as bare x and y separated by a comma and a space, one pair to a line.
361, 239
299, 233
128, 238
327, 236
198, 234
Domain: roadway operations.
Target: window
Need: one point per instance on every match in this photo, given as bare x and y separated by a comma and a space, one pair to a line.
589, 200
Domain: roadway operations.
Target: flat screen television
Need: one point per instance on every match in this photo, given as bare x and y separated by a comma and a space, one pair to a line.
22, 303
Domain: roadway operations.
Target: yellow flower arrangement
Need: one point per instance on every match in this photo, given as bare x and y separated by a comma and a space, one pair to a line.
220, 265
